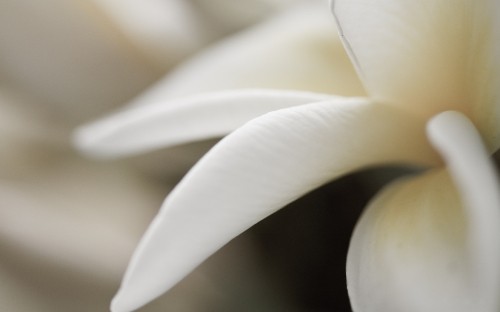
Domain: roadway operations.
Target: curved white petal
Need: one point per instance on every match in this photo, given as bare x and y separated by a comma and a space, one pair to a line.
258, 169
426, 56
425, 244
476, 179
298, 49
143, 128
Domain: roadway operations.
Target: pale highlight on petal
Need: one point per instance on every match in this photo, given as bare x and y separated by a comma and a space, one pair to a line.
425, 244
426, 56
255, 171
143, 128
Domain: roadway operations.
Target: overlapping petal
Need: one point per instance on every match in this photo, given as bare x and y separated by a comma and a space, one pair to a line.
237, 15
144, 128
427, 56
258, 169
476, 179
431, 243
69, 58
165, 31
298, 49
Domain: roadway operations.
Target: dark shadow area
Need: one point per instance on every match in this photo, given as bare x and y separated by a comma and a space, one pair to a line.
304, 246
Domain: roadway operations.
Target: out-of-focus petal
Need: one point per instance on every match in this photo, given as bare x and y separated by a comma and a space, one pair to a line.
69, 57
49, 214
298, 49
427, 56
476, 179
166, 31
232, 15
67, 231
258, 169
431, 243
195, 118
27, 142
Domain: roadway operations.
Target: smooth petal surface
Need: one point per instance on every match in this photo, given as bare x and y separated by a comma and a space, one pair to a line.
476, 179
143, 128
258, 169
431, 243
427, 56
298, 49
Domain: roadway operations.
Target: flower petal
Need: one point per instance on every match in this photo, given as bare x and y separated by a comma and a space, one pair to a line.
258, 169
476, 178
67, 229
26, 140
425, 56
69, 58
298, 49
231, 15
48, 214
144, 128
165, 31
426, 245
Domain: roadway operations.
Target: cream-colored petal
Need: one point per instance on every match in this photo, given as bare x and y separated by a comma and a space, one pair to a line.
426, 56
298, 50
255, 171
431, 243
195, 118
476, 179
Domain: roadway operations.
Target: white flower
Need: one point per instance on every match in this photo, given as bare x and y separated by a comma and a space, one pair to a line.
425, 243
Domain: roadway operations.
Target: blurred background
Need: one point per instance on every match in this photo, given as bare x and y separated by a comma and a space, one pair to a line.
68, 224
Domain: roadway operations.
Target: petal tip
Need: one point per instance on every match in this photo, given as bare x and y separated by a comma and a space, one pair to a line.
442, 123
81, 140
117, 305
90, 141
446, 116
123, 302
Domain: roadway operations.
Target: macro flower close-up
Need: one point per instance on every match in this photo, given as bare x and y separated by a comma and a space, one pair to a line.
293, 120
70, 224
